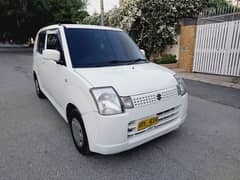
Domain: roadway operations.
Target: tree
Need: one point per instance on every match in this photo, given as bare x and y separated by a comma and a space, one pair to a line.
93, 19
23, 18
153, 23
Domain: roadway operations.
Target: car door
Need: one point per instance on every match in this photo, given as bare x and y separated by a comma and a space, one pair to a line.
39, 61
56, 71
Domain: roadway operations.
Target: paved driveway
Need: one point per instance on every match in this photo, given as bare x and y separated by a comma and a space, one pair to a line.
35, 142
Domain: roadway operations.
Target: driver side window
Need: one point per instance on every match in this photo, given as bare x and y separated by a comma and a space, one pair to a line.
54, 42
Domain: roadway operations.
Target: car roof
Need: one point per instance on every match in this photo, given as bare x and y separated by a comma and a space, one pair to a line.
80, 26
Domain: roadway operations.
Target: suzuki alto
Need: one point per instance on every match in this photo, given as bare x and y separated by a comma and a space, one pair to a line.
103, 86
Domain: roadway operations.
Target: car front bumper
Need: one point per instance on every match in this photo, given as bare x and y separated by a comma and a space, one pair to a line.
110, 134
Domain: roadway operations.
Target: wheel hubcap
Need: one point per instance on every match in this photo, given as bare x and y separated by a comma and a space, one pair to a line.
77, 132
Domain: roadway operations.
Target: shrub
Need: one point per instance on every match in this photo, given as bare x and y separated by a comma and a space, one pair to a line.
166, 59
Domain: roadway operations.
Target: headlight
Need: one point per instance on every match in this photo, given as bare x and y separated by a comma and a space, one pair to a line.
181, 88
107, 100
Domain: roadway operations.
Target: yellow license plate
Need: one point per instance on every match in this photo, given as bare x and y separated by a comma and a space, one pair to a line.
147, 123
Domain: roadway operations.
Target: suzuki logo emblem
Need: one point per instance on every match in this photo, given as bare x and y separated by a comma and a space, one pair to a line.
159, 97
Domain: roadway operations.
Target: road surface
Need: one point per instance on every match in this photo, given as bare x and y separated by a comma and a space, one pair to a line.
35, 142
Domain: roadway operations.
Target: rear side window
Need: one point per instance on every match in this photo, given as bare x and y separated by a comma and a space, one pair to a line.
41, 42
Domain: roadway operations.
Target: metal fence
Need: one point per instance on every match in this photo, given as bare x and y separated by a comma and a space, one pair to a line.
217, 49
220, 8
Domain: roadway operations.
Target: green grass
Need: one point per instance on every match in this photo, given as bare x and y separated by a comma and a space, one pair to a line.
166, 59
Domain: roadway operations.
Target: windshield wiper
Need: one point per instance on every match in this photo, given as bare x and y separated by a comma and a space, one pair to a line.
116, 62
134, 61
128, 62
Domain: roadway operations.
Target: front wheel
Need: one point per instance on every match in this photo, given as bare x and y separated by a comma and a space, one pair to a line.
78, 133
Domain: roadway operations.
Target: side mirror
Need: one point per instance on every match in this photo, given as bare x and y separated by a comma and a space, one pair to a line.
50, 54
143, 52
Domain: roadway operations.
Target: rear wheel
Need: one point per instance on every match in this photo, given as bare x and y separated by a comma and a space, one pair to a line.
78, 132
38, 89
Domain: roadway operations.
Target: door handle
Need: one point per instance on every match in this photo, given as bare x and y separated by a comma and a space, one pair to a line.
65, 80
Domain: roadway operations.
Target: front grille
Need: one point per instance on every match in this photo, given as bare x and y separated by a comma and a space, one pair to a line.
163, 118
151, 98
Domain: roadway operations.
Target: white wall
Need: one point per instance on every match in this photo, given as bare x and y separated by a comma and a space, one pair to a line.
173, 49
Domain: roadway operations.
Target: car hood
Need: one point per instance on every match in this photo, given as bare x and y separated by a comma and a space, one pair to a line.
130, 79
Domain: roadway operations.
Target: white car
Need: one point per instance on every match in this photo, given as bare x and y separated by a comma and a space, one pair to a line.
100, 82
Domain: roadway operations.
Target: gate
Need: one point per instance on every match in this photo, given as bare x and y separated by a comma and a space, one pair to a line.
217, 49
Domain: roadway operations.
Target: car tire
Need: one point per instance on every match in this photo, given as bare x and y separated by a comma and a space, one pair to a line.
78, 132
38, 89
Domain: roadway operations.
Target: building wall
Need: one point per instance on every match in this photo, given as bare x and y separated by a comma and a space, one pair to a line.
187, 47
173, 49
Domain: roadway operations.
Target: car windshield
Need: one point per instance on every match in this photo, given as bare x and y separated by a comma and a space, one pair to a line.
97, 47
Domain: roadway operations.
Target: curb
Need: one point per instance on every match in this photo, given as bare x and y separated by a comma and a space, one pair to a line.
223, 84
